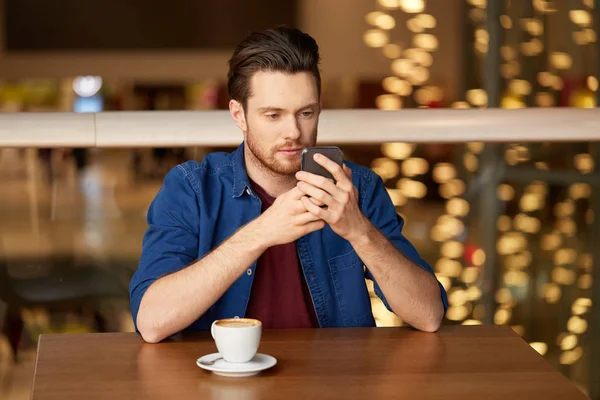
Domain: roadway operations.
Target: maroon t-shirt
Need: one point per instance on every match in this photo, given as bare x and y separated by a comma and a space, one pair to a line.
280, 297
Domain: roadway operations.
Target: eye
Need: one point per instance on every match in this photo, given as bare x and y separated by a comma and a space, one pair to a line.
307, 114
273, 116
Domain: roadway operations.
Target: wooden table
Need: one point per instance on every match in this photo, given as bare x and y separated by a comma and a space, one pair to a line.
458, 362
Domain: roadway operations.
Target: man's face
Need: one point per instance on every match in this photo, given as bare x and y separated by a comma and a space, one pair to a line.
282, 115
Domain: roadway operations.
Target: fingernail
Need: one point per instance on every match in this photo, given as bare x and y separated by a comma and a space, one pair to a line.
299, 174
318, 156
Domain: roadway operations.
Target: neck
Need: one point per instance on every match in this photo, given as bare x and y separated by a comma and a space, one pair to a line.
273, 183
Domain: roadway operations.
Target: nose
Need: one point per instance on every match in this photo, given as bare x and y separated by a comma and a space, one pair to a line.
293, 130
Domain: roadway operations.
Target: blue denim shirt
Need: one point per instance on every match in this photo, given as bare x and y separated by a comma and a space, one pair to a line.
201, 204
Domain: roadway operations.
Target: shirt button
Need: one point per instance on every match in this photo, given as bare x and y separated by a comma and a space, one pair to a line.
248, 192
249, 272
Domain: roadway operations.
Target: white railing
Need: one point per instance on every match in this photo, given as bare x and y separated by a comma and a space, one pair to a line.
215, 128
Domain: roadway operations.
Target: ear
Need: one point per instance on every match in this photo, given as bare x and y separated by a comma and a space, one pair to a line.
237, 113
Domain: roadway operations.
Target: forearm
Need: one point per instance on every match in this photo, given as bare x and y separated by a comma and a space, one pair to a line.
175, 301
412, 293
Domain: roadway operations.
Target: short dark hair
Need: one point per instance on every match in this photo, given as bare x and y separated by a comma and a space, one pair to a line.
281, 49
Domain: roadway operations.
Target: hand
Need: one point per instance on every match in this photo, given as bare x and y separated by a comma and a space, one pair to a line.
342, 212
287, 219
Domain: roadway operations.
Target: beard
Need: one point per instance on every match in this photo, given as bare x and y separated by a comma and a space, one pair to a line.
269, 159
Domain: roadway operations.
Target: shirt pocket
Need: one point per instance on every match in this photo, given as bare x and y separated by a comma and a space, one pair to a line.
351, 293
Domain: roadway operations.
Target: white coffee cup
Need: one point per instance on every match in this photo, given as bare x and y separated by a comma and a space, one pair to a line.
237, 339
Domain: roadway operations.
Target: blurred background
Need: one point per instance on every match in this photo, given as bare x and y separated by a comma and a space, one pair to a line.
519, 217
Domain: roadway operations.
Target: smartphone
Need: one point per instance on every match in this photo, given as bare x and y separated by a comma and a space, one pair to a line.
309, 164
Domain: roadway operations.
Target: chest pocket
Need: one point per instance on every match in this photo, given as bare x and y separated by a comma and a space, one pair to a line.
351, 291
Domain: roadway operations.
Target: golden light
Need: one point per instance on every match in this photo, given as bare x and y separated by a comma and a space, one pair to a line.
397, 151
544, 99
477, 15
584, 163
567, 226
398, 199
504, 223
592, 83
470, 275
414, 166
585, 281
580, 38
571, 357
578, 310
580, 190
551, 241
449, 226
518, 329
473, 293
475, 147
452, 188
532, 48
427, 21
371, 17
537, 187
452, 249
385, 168
385, 21
425, 41
516, 278
503, 296
412, 189
586, 262
460, 105
528, 224
376, 38
412, 6
505, 192
544, 6
402, 66
551, 292
414, 25
563, 276
580, 17
478, 3
577, 325
457, 297
542, 166
590, 35
445, 281
589, 3
533, 26
511, 243
482, 36
531, 202
505, 21
471, 322
477, 97
510, 69
568, 342
392, 50
540, 347
457, 207
478, 257
389, 4
582, 98
470, 162
391, 84
511, 102
502, 316
565, 256
561, 60
388, 102
520, 87
418, 76
508, 53
443, 172
419, 56
457, 313
448, 267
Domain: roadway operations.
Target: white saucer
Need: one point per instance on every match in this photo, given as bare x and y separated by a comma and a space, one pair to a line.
260, 362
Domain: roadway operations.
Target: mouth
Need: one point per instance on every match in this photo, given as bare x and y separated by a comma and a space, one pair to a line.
290, 152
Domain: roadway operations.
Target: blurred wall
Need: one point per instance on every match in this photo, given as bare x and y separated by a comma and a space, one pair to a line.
338, 26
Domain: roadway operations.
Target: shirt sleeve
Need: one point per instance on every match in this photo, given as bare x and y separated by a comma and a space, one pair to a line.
380, 210
171, 241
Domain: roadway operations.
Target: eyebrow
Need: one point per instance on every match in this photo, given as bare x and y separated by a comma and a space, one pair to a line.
270, 108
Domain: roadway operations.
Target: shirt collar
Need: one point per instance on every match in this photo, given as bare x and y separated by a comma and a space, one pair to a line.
240, 177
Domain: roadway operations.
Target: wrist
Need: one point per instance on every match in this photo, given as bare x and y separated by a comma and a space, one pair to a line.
364, 235
255, 237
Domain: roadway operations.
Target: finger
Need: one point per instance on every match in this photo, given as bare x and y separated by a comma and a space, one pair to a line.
317, 211
295, 193
306, 217
348, 172
316, 202
314, 226
335, 170
319, 181
316, 193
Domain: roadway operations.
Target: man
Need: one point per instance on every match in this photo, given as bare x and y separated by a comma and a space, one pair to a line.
248, 234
